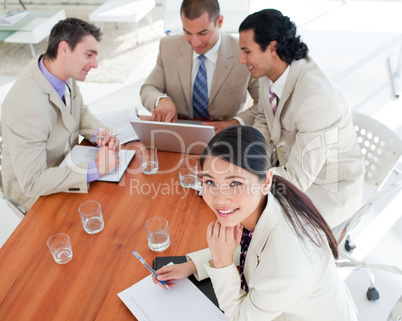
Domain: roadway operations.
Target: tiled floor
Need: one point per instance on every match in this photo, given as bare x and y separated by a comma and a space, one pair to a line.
352, 42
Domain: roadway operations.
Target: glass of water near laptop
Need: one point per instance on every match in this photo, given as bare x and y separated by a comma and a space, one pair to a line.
157, 234
91, 217
188, 172
60, 247
148, 160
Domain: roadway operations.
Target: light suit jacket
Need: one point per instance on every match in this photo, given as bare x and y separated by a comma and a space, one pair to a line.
315, 140
289, 278
172, 75
38, 132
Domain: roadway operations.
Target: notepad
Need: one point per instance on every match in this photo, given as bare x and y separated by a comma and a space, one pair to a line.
184, 302
204, 285
85, 154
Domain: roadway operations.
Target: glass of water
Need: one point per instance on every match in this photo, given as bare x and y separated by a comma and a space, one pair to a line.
91, 217
188, 172
148, 160
60, 247
157, 234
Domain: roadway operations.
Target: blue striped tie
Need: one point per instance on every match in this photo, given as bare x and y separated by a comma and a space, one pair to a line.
200, 92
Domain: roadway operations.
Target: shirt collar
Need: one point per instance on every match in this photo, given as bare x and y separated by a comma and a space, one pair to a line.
57, 84
211, 54
278, 86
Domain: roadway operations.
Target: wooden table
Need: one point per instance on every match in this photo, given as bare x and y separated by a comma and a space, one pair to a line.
34, 287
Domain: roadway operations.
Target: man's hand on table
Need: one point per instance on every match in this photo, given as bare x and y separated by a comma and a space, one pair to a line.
165, 111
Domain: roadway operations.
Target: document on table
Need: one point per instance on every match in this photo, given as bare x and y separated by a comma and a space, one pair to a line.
184, 302
85, 154
119, 120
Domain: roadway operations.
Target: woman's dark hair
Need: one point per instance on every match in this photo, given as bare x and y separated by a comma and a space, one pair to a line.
269, 25
246, 147
70, 30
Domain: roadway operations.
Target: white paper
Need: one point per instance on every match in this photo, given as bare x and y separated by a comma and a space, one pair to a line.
119, 120
184, 302
85, 154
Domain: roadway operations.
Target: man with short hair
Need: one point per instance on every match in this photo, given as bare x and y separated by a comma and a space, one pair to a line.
304, 116
198, 75
43, 114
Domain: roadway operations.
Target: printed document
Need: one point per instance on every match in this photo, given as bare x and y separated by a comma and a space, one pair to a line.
118, 120
184, 302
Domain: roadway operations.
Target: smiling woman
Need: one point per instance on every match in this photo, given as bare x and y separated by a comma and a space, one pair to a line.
268, 229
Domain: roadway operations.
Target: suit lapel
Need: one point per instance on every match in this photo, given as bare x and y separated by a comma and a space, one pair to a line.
55, 99
67, 117
265, 224
184, 61
287, 90
224, 65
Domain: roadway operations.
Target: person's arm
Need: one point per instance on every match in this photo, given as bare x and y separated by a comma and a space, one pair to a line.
273, 286
248, 116
172, 272
154, 86
194, 265
266, 300
318, 120
222, 124
27, 134
106, 161
165, 110
106, 137
153, 93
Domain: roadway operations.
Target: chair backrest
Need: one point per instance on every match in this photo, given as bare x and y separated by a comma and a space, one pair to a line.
233, 12
396, 313
380, 146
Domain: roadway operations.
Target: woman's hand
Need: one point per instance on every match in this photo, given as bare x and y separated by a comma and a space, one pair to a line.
222, 242
171, 272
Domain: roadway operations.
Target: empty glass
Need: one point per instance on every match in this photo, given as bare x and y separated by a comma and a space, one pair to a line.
60, 247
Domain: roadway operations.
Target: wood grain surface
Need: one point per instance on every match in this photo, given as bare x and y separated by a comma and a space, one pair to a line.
34, 287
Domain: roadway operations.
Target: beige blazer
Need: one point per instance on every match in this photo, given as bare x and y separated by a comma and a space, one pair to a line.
289, 277
172, 75
315, 140
38, 131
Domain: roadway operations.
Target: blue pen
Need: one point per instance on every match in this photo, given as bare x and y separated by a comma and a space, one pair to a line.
140, 258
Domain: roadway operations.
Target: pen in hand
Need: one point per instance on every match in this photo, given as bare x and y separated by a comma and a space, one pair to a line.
97, 138
140, 258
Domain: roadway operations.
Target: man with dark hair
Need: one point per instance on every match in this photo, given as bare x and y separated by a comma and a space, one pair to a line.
303, 115
198, 75
43, 114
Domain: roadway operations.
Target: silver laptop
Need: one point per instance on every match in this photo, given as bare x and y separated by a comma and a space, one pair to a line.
183, 137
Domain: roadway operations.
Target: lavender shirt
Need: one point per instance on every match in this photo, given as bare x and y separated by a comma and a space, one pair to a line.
60, 87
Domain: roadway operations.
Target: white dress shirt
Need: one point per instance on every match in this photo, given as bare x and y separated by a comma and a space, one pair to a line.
278, 86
